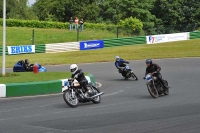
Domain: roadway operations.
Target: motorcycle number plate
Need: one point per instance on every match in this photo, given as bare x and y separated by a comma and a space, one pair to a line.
148, 78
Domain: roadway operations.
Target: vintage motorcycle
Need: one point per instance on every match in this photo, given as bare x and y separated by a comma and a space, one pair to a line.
128, 73
74, 94
155, 87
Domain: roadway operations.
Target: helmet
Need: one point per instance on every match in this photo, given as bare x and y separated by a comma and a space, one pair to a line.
26, 61
73, 68
117, 58
149, 61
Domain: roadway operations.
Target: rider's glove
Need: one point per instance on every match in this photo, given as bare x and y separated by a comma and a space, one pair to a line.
144, 78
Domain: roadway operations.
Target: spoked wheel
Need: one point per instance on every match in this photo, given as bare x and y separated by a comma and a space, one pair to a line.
72, 101
166, 91
97, 99
134, 76
152, 90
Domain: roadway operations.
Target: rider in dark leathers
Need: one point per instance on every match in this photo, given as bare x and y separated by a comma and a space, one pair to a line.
155, 70
27, 65
78, 74
120, 64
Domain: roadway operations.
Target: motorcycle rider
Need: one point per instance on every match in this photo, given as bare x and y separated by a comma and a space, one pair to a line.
27, 65
155, 70
120, 64
78, 74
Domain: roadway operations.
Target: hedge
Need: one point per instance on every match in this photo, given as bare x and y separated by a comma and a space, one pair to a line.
48, 24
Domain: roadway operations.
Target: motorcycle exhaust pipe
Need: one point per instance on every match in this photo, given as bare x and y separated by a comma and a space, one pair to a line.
101, 93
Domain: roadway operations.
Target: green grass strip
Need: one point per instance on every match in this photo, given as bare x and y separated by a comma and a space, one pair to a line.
190, 48
31, 77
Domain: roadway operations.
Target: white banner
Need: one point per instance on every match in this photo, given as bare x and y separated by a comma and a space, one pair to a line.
21, 49
167, 38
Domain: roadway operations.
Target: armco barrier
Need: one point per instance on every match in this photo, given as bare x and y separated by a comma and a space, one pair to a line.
194, 35
124, 41
1, 50
40, 48
62, 47
35, 88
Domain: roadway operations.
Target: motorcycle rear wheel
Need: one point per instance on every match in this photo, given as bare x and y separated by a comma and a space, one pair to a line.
72, 102
98, 98
166, 91
152, 90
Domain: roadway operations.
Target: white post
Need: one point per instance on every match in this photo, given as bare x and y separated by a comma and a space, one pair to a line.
4, 39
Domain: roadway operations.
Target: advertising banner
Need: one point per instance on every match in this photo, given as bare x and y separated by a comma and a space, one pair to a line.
95, 44
21, 49
167, 38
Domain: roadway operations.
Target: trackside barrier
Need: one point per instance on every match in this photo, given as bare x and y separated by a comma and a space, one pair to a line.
62, 47
40, 48
1, 50
93, 44
87, 45
124, 41
167, 38
195, 35
35, 88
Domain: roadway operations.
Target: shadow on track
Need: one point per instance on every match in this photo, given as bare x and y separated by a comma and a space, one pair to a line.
64, 105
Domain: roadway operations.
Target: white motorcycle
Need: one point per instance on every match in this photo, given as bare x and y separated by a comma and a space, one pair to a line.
73, 94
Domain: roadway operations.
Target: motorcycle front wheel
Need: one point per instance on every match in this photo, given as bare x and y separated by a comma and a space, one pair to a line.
97, 99
152, 90
134, 76
72, 101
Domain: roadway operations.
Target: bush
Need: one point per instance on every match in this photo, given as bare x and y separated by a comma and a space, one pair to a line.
133, 24
49, 24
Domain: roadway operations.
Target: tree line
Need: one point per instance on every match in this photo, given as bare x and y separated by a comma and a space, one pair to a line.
149, 12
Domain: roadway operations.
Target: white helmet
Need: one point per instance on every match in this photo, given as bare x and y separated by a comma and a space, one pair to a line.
73, 68
117, 58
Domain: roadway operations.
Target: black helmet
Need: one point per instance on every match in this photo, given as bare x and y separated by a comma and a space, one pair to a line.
26, 61
149, 61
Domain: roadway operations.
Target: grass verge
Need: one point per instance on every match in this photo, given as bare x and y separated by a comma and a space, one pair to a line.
22, 35
190, 48
31, 77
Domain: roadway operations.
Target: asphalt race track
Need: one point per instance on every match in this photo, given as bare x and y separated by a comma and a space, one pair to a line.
126, 106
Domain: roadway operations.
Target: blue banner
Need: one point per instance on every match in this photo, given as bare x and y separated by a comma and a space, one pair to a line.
94, 44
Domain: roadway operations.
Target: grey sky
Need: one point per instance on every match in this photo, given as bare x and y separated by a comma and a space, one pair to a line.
31, 2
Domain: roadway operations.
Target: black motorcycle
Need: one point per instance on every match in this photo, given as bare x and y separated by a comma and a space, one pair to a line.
75, 94
155, 87
127, 73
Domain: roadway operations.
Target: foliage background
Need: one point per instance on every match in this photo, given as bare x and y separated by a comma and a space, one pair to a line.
152, 13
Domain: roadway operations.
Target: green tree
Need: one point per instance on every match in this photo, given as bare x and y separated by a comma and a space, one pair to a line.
176, 12
115, 10
18, 9
9, 5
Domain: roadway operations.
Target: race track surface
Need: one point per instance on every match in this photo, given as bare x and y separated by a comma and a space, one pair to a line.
126, 106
